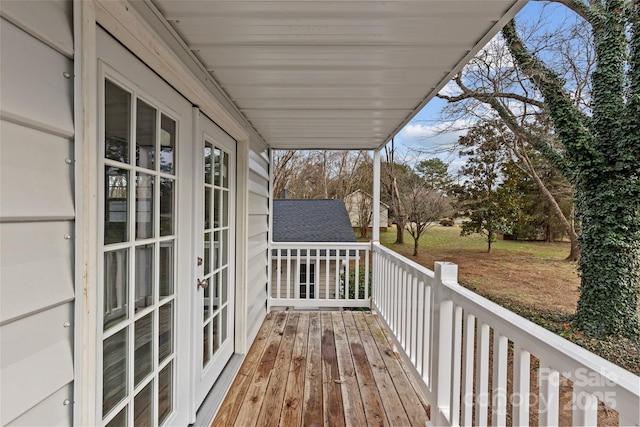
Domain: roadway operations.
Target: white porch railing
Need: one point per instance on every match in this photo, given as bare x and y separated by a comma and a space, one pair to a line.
320, 275
444, 332
453, 339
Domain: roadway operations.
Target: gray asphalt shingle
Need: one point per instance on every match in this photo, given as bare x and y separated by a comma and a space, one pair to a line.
311, 220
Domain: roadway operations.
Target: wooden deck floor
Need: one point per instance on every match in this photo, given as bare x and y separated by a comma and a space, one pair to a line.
322, 368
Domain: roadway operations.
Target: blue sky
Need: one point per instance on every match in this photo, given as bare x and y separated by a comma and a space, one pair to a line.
421, 133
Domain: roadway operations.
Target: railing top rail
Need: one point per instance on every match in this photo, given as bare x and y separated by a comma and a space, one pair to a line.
378, 247
320, 245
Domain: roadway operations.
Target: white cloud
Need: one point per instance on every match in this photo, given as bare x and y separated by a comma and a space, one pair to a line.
418, 135
450, 89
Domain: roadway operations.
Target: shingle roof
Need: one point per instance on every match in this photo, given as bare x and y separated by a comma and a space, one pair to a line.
311, 220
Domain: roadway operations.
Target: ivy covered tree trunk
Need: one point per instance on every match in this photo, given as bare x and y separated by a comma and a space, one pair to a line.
608, 191
604, 153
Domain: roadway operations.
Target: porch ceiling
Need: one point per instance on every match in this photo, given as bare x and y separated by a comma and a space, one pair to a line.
345, 74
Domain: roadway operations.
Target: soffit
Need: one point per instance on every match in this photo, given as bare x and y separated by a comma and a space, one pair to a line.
333, 74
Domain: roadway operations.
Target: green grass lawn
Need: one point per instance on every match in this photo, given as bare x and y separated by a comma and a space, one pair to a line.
448, 239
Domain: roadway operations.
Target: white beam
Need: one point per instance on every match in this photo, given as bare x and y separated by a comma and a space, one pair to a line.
375, 223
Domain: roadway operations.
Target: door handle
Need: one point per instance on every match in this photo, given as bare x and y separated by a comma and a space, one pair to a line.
203, 283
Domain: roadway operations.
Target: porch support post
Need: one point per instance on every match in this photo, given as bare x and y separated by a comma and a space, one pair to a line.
443, 326
375, 223
270, 234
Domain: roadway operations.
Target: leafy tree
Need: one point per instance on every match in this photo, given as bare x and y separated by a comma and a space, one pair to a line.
425, 200
491, 206
435, 173
584, 85
493, 80
602, 150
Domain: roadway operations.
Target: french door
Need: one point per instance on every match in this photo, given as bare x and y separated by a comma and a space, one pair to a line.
214, 236
145, 169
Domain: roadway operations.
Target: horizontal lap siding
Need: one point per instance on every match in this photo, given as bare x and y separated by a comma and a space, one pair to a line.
258, 243
321, 277
36, 213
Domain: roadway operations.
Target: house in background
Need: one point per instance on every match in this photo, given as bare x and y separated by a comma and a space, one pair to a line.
299, 272
136, 193
360, 207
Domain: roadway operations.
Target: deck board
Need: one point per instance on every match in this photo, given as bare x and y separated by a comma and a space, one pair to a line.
231, 405
331, 388
256, 391
392, 404
291, 414
272, 404
312, 414
322, 369
352, 400
373, 409
413, 405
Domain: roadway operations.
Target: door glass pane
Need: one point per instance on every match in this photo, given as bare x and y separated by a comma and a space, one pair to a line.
167, 145
165, 394
116, 212
206, 345
216, 334
144, 276
216, 208
144, 205
225, 170
207, 208
166, 268
117, 110
207, 253
114, 370
145, 135
223, 325
167, 206
216, 162
208, 151
143, 406
206, 301
116, 287
143, 349
120, 419
223, 285
215, 284
225, 208
216, 250
166, 331
224, 247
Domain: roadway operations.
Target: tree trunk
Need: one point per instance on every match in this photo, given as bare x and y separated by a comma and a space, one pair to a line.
399, 214
325, 190
489, 241
574, 254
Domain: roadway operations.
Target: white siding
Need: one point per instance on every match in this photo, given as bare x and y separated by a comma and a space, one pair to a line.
288, 277
353, 202
258, 239
35, 178
36, 213
36, 361
50, 21
50, 409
